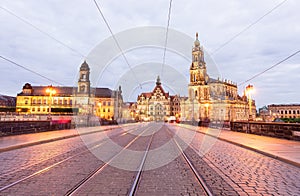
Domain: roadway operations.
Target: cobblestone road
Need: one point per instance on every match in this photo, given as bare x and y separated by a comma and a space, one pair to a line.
227, 169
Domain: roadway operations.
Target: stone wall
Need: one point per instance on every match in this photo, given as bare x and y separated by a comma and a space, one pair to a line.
273, 129
21, 127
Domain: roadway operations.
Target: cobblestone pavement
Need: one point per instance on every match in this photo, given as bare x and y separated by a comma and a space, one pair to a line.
23, 162
226, 168
174, 178
247, 172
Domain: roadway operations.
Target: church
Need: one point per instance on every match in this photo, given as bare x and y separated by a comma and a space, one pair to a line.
213, 99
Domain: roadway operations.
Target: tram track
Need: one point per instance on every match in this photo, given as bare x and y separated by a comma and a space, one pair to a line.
45, 169
98, 171
199, 178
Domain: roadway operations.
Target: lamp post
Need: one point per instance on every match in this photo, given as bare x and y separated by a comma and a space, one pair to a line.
51, 91
249, 91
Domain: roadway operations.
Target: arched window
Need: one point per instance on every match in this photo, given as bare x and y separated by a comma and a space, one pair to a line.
196, 93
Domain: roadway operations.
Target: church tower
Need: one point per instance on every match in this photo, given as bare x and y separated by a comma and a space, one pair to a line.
198, 86
84, 79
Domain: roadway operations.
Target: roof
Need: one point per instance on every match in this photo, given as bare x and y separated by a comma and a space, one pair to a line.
60, 91
103, 92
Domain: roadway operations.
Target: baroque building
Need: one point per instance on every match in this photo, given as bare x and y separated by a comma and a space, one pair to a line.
62, 100
210, 98
157, 105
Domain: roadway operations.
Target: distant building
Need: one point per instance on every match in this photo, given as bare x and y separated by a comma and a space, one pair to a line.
213, 99
284, 110
7, 101
157, 105
83, 99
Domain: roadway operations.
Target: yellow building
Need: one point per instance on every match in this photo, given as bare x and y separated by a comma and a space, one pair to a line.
83, 99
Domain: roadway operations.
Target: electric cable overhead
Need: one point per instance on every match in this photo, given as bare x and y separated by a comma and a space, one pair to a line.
248, 27
166, 40
27, 69
262, 72
43, 32
116, 41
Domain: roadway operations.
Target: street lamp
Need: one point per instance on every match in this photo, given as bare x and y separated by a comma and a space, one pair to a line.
51, 91
249, 91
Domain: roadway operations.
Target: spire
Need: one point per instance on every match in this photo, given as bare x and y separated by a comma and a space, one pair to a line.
197, 43
158, 81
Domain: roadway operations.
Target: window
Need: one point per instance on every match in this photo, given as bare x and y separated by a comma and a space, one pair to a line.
290, 112
33, 101
44, 109
26, 102
45, 101
108, 103
33, 109
108, 110
65, 101
104, 103
70, 102
39, 101
103, 109
60, 102
39, 109
82, 88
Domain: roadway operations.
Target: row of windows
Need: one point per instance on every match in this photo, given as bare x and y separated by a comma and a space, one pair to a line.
104, 110
45, 101
289, 112
40, 109
104, 103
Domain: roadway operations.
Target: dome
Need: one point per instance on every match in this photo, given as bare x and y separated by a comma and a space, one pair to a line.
84, 66
27, 86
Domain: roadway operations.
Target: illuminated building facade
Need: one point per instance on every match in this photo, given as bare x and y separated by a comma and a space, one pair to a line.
83, 99
284, 110
157, 105
213, 99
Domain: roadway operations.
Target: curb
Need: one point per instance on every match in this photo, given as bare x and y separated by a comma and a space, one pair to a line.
9, 148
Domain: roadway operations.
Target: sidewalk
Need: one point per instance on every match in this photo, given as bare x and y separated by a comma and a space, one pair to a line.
19, 141
281, 149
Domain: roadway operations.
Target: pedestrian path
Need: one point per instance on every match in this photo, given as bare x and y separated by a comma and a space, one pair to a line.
282, 149
19, 141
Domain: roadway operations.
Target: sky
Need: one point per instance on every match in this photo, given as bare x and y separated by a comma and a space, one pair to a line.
75, 30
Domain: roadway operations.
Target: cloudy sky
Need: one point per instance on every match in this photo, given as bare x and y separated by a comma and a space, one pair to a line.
79, 26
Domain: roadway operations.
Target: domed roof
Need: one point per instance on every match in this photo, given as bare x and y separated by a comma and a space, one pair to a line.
84, 66
27, 86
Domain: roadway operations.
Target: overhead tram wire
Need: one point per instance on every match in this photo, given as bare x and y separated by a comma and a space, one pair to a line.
166, 40
43, 32
116, 41
248, 27
264, 71
34, 72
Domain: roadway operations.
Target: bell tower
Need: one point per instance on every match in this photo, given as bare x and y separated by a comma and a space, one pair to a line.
198, 86
84, 79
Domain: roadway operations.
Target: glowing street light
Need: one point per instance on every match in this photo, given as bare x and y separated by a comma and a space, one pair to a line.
51, 91
249, 91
